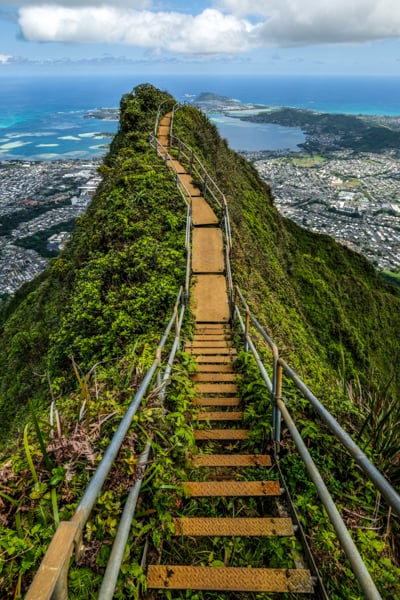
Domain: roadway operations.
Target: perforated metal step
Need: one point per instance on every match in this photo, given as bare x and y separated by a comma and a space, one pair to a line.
234, 579
232, 488
243, 527
221, 434
208, 344
214, 378
211, 327
220, 416
216, 401
215, 368
224, 351
211, 337
217, 388
231, 460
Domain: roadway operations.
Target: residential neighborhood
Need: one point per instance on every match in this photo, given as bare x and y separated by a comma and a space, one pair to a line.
353, 198
37, 197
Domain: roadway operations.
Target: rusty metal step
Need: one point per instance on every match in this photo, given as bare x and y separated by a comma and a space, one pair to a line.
214, 359
220, 416
211, 327
208, 344
214, 377
243, 527
232, 488
217, 351
231, 460
217, 388
206, 368
229, 579
221, 434
176, 166
216, 401
212, 337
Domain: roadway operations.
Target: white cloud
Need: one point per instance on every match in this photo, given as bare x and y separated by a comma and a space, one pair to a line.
237, 26
209, 32
4, 58
307, 22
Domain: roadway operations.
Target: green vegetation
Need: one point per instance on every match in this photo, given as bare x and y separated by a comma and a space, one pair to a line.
333, 319
390, 277
76, 342
116, 282
322, 303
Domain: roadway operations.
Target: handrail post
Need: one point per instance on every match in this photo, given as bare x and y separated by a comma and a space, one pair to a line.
276, 413
247, 328
176, 321
205, 186
191, 162
234, 303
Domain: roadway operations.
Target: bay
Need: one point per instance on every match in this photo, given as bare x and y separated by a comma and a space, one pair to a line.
42, 117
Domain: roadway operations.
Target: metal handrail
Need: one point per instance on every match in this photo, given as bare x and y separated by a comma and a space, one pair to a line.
186, 154
280, 410
159, 110
162, 151
209, 188
360, 570
389, 493
176, 107
115, 561
51, 579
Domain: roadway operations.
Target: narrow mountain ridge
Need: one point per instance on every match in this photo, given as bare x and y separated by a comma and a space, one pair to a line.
81, 336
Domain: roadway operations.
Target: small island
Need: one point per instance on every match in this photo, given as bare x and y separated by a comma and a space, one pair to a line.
103, 114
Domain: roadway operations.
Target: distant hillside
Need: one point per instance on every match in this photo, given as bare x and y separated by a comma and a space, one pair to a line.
330, 132
325, 304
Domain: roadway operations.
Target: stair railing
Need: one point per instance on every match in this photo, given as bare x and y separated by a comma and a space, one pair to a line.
210, 190
162, 151
51, 580
280, 411
160, 110
274, 383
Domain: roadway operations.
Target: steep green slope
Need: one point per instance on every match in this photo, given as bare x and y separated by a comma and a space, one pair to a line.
326, 306
116, 282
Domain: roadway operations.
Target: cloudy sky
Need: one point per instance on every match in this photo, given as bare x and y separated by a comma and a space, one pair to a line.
211, 36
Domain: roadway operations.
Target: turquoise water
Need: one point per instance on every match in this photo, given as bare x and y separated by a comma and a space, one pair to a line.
42, 118
244, 135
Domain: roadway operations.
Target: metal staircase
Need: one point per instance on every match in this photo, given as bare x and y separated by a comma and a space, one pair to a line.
225, 472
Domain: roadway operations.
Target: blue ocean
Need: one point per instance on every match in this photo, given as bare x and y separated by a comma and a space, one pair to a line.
43, 117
